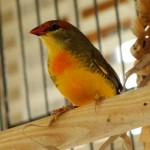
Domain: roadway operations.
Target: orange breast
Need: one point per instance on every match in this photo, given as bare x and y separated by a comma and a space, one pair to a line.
61, 62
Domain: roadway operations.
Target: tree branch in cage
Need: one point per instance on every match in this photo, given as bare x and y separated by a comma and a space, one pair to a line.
82, 125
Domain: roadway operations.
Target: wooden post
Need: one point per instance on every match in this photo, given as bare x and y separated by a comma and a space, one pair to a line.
82, 125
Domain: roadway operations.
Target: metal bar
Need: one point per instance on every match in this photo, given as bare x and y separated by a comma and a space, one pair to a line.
137, 13
97, 25
120, 49
3, 75
42, 59
119, 37
56, 9
24, 64
1, 119
132, 140
112, 146
76, 13
91, 146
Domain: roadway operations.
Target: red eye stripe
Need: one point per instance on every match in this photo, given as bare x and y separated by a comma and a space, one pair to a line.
48, 26
62, 24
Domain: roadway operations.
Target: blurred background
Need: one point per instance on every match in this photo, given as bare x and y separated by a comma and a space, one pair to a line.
26, 90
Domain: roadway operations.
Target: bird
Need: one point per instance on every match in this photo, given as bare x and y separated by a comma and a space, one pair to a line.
75, 65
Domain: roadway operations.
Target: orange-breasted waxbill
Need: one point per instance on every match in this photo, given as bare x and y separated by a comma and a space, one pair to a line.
76, 67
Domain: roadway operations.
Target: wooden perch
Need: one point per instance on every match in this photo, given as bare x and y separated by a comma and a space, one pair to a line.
82, 125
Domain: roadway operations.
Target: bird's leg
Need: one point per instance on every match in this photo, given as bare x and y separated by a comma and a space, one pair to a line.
98, 100
57, 112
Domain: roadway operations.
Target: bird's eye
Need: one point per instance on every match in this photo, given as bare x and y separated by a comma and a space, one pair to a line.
54, 26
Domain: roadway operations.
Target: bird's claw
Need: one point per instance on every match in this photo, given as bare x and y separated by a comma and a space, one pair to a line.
98, 100
57, 112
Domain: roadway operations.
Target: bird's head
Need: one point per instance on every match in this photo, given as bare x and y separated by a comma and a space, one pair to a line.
55, 32
52, 27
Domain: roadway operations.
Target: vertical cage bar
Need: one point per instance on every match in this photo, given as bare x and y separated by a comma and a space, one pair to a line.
112, 146
137, 13
3, 75
119, 37
120, 49
56, 9
42, 59
20, 28
91, 146
76, 13
97, 25
1, 118
132, 140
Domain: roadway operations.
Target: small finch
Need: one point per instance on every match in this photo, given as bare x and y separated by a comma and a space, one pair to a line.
76, 67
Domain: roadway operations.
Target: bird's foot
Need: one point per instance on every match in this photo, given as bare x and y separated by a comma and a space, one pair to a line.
98, 100
57, 112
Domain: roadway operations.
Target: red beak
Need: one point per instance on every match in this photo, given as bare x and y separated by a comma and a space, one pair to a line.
38, 31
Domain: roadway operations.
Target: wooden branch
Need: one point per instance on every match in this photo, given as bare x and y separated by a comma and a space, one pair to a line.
82, 125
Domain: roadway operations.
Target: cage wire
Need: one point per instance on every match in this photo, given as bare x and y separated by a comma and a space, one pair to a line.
26, 91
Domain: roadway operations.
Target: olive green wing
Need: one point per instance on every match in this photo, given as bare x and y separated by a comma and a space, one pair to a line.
99, 60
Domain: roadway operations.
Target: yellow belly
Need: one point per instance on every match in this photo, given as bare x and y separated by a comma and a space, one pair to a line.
81, 86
